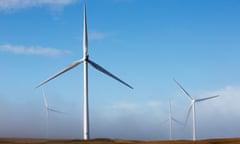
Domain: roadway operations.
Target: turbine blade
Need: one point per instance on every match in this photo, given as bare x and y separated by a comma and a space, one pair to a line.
46, 104
67, 68
98, 67
189, 110
45, 99
207, 98
170, 108
191, 98
85, 36
53, 110
177, 121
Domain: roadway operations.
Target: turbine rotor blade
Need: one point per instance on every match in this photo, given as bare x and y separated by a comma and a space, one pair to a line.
46, 103
101, 69
67, 68
85, 35
45, 99
189, 110
53, 110
207, 98
177, 121
191, 98
170, 107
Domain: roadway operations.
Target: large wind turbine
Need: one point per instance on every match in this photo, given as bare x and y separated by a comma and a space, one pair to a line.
192, 107
48, 109
171, 119
85, 60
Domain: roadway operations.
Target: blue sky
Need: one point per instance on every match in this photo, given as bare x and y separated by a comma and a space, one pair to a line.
146, 43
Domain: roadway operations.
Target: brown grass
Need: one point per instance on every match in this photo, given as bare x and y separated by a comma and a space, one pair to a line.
110, 141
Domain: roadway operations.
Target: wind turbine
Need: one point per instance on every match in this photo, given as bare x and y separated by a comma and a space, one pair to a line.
85, 60
48, 109
192, 107
171, 119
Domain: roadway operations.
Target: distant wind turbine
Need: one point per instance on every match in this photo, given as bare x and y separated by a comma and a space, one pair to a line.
48, 109
171, 119
85, 60
192, 107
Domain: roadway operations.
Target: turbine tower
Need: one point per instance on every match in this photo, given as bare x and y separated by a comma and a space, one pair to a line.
48, 109
171, 119
85, 60
193, 108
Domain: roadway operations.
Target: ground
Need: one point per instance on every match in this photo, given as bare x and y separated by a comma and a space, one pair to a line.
109, 141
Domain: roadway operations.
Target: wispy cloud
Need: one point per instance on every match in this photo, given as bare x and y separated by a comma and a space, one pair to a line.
8, 5
94, 35
32, 50
98, 35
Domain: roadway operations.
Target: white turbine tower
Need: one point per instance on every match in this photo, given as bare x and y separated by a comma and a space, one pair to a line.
48, 109
171, 119
85, 60
192, 107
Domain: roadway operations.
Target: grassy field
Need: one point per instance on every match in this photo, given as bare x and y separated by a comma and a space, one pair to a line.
109, 141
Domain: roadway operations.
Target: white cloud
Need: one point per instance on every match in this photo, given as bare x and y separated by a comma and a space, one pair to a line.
228, 100
130, 119
33, 50
6, 5
217, 117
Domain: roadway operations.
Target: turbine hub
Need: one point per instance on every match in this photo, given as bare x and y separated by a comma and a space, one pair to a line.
86, 58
